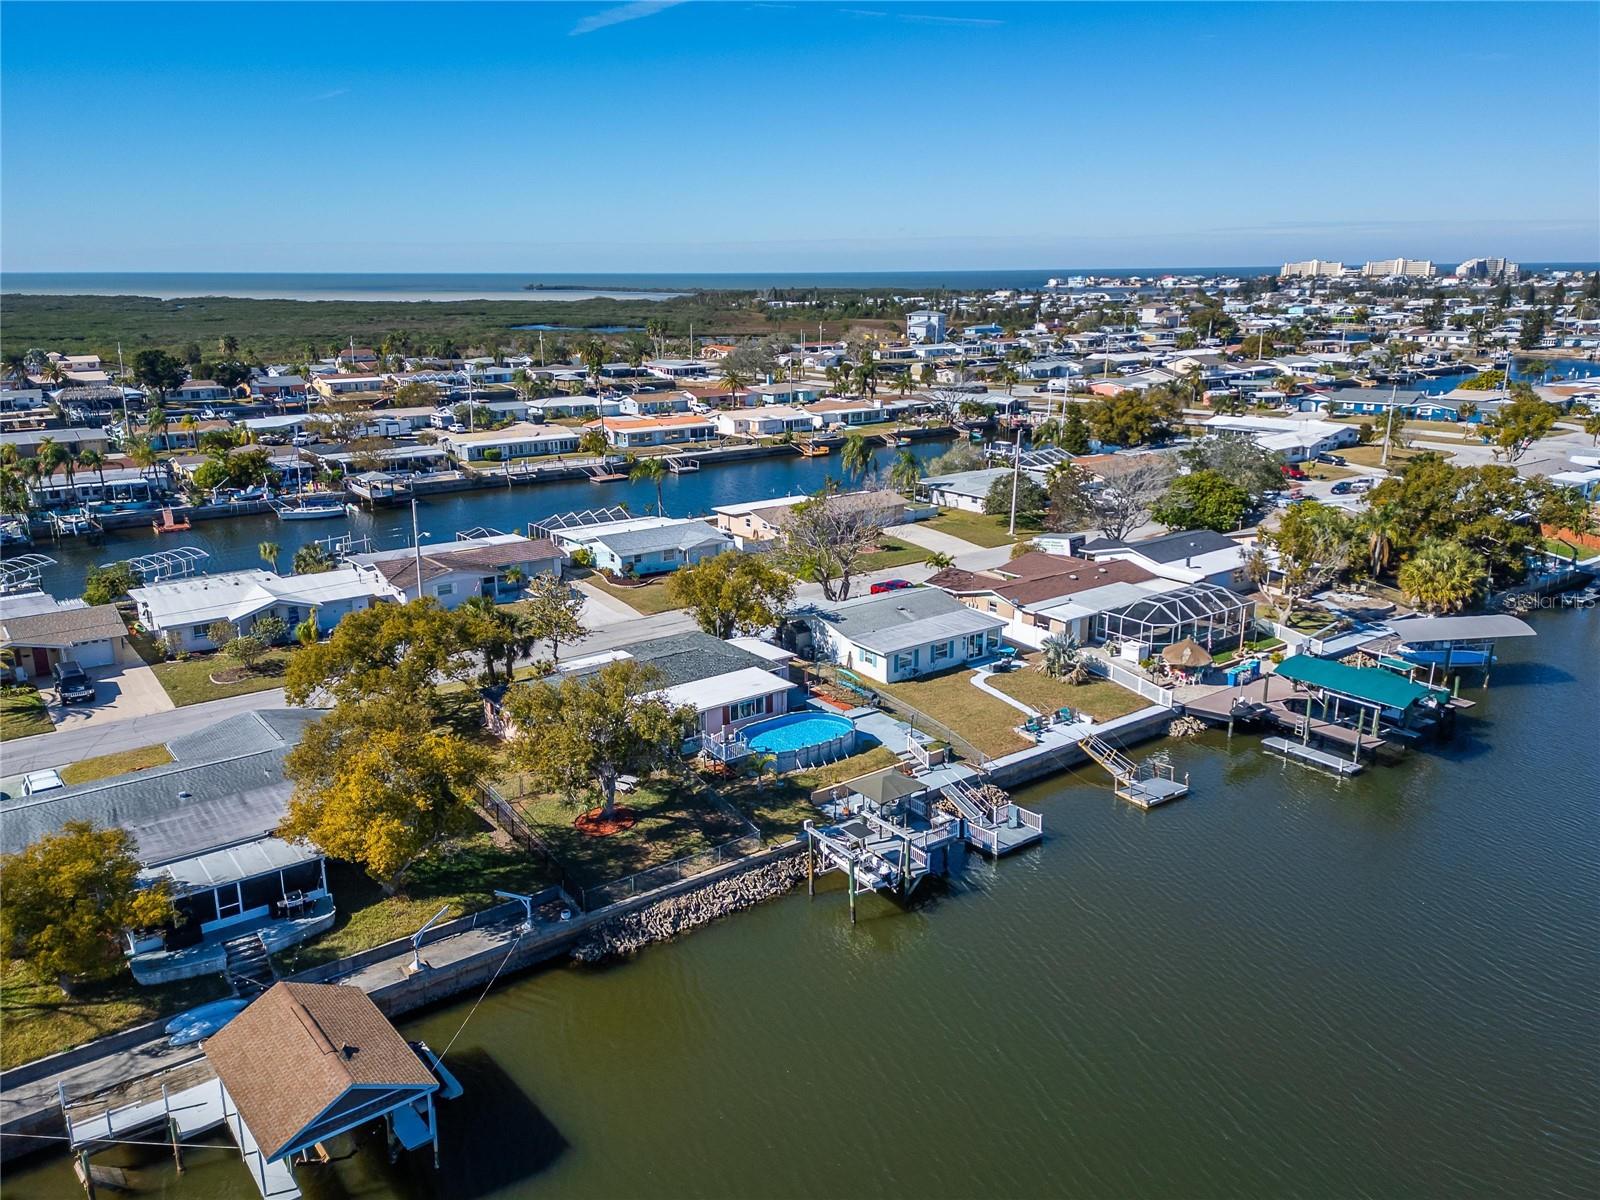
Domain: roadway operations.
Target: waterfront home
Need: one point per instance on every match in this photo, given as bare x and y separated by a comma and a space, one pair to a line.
788, 392
39, 631
331, 387
307, 1062
112, 485
755, 524
182, 611
965, 490
455, 572
656, 548
23, 400
198, 391
902, 634
28, 441
582, 406
1292, 439
1184, 556
522, 440
277, 389
204, 824
177, 435
769, 421
399, 460
632, 433
1040, 595
679, 368
827, 414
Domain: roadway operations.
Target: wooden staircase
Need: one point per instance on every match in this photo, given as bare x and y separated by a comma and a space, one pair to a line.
1146, 784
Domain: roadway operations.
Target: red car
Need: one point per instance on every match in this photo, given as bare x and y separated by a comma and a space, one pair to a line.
1290, 471
890, 585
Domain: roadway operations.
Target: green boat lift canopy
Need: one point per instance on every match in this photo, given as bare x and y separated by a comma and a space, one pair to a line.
1369, 685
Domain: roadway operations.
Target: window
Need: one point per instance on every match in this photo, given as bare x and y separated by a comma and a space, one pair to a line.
868, 658
746, 709
445, 589
942, 650
199, 631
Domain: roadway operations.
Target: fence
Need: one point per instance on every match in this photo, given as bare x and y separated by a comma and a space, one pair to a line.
1131, 680
669, 872
510, 821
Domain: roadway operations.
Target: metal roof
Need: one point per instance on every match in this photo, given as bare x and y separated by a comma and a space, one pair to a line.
1459, 629
1371, 684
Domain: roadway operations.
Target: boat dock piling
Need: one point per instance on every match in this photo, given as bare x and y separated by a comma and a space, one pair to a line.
1311, 756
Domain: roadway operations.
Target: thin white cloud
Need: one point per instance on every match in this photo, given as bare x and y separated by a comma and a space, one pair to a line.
925, 19
623, 12
330, 95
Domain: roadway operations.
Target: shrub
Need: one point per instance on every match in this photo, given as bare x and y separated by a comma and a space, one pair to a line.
270, 629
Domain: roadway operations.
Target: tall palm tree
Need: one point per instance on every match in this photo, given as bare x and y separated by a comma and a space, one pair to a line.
49, 457
906, 472
593, 353
855, 457
650, 470
93, 460
189, 426
1441, 577
155, 421
269, 552
141, 453
69, 467
1382, 527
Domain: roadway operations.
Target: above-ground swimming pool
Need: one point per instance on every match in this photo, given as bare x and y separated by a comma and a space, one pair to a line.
802, 739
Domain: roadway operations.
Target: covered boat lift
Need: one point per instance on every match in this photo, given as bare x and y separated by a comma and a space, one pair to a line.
1449, 643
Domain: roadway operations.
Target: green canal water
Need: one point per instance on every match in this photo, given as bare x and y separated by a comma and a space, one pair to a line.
1283, 985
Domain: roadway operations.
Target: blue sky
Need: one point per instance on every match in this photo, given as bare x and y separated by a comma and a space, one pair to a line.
791, 135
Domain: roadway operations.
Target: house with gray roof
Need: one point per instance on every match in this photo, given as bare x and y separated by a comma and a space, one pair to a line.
904, 634
204, 824
41, 631
658, 549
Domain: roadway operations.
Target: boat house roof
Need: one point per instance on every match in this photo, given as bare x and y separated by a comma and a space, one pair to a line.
1373, 685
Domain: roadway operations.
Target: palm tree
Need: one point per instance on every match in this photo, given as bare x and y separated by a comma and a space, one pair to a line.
269, 552
69, 467
650, 470
141, 453
93, 460
939, 560
855, 458
1061, 657
1381, 526
906, 472
189, 425
1008, 376
1441, 577
155, 421
1591, 426
593, 353
734, 380
1466, 411
311, 559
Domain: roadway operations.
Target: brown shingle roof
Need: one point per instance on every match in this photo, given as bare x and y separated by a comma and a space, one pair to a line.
1034, 577
299, 1048
65, 627
402, 572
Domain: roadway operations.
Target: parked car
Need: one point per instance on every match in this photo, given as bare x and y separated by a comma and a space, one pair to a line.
890, 585
1290, 471
303, 439
1363, 485
1343, 488
73, 686
41, 781
1332, 460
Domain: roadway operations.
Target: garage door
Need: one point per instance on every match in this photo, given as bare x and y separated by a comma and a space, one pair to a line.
94, 654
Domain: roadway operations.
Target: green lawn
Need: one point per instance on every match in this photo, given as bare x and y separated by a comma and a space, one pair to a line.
651, 599
977, 717
23, 713
1099, 698
778, 805
979, 529
1372, 456
461, 875
890, 553
108, 765
39, 1019
675, 818
190, 682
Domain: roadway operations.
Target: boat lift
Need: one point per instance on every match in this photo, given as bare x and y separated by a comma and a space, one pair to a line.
21, 572
876, 855
164, 564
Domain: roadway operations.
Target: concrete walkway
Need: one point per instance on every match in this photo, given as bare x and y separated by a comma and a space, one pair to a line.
980, 680
933, 539
601, 609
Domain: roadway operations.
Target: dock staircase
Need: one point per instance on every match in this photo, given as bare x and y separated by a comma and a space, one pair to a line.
249, 966
994, 827
1146, 784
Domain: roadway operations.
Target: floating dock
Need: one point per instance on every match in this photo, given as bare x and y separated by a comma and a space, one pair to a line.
1145, 784
1311, 756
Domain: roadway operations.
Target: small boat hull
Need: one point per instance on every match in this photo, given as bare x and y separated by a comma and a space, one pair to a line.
321, 512
189, 1027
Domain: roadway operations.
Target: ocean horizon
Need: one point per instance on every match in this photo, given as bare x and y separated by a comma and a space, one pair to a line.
512, 285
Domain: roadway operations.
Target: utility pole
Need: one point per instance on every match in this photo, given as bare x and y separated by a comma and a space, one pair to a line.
416, 544
1394, 392
1016, 475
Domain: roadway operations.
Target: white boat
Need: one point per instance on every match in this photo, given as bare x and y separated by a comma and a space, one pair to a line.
308, 512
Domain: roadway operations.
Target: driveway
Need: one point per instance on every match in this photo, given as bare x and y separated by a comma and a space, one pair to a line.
122, 691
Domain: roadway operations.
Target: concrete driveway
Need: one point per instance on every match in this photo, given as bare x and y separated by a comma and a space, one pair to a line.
121, 691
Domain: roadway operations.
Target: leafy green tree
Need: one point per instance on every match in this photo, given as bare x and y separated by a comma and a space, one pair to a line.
554, 611
158, 372
732, 593
1074, 437
577, 735
1132, 418
1308, 549
311, 559
1202, 500
1442, 576
1240, 462
378, 784
653, 471
271, 629
1516, 426
247, 650
66, 899
398, 651
499, 635
1032, 499
108, 584
221, 632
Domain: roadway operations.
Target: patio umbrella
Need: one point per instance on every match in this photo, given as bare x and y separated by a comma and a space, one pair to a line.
1187, 655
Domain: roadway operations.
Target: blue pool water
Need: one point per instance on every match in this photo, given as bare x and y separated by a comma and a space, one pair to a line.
796, 731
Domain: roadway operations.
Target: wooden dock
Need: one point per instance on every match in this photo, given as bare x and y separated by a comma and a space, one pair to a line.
1145, 784
811, 449
1311, 756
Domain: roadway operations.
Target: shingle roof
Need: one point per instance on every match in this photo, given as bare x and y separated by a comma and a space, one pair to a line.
295, 1051
400, 568
688, 657
901, 619
1170, 547
64, 626
684, 536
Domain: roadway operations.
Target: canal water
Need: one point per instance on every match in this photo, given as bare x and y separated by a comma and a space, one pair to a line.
233, 542
1283, 985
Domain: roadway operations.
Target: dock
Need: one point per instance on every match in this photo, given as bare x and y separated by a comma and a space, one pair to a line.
994, 829
680, 464
1145, 784
811, 449
1311, 756
169, 522
877, 856
602, 473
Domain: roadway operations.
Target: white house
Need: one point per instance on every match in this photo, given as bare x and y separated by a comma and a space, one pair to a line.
1293, 440
627, 433
902, 634
183, 610
522, 440
926, 325
965, 490
656, 549
769, 421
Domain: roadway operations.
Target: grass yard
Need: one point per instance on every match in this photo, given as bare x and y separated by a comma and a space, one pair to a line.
108, 765
981, 530
650, 599
778, 805
951, 700
39, 1019
23, 713
1099, 698
190, 682
674, 819
462, 874
1372, 456
890, 553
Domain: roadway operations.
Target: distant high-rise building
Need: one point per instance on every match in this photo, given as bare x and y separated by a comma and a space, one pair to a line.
1412, 268
1487, 268
1313, 268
